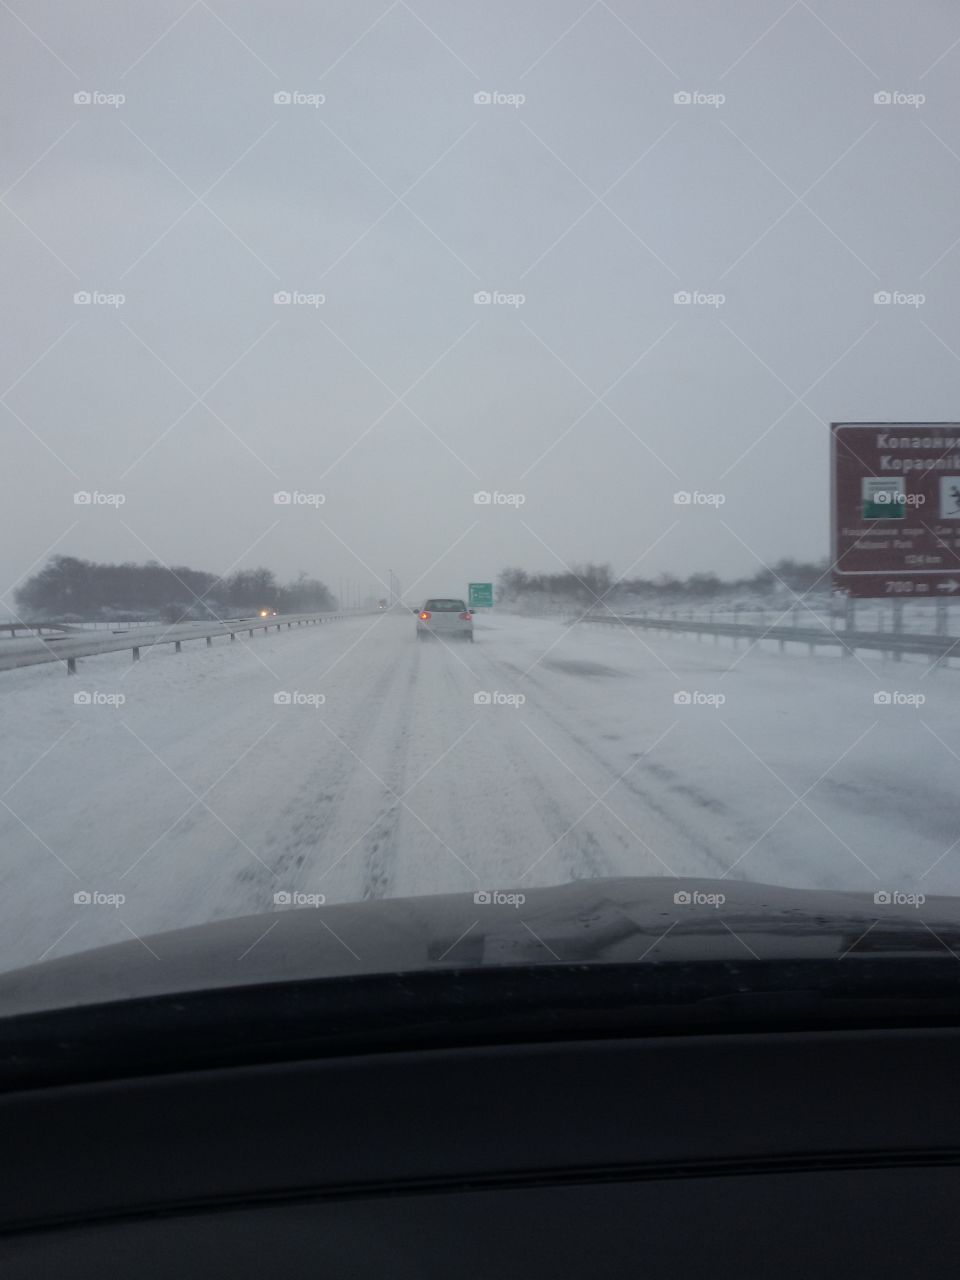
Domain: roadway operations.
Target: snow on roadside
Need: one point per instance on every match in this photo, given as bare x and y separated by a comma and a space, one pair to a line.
199, 795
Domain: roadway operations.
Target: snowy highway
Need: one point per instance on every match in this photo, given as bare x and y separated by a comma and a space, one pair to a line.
354, 762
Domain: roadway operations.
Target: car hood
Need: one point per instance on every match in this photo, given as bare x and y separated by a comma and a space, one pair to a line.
641, 920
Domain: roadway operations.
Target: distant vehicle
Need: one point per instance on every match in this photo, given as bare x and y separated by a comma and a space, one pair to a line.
381, 604
446, 618
268, 613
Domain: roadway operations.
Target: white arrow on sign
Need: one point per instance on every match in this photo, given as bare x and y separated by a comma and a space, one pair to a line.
950, 585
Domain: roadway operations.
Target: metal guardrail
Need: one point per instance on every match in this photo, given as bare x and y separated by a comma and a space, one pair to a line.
69, 647
938, 647
40, 627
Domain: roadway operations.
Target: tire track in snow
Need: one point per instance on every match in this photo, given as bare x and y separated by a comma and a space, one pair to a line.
683, 832
296, 850
377, 845
586, 839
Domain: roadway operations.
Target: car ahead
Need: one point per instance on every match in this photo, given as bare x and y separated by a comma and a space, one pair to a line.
447, 618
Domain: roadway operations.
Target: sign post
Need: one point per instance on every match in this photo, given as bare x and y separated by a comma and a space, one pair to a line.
896, 509
481, 595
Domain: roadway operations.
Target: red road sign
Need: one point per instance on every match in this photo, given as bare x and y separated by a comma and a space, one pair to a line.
896, 509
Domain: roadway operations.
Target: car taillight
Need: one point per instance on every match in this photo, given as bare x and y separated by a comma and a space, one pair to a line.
465, 617
424, 615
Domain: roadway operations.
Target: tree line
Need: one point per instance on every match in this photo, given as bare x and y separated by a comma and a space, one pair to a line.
585, 584
69, 588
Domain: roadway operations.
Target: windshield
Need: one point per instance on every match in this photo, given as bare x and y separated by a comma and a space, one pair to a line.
633, 323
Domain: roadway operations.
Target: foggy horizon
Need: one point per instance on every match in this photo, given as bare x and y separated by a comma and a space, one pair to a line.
398, 397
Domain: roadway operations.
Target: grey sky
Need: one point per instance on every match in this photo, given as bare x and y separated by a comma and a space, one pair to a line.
598, 198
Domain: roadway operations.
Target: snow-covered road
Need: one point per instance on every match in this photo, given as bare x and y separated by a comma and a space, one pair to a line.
200, 797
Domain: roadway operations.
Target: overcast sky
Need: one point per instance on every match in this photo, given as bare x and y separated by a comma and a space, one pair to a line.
782, 188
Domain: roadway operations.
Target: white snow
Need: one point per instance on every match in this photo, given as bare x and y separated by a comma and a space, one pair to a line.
199, 797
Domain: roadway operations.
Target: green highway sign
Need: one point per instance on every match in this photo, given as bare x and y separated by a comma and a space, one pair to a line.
481, 595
